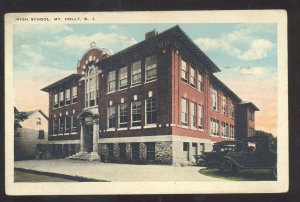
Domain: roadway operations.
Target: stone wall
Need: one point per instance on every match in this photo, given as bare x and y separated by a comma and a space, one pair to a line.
163, 152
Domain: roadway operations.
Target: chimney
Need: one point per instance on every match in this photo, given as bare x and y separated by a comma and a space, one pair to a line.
150, 34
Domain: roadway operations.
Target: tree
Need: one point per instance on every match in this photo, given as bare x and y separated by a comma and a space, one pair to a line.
19, 117
272, 140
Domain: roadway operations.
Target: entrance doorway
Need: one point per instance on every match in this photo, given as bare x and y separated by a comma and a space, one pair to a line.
89, 138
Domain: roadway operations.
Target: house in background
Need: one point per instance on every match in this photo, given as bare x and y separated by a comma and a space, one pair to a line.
157, 101
33, 131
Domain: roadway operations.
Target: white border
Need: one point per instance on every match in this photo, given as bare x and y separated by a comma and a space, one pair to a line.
245, 16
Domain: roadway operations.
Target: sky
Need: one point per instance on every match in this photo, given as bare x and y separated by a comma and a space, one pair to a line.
245, 53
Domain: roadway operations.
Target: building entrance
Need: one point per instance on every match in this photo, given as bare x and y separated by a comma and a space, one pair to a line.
88, 138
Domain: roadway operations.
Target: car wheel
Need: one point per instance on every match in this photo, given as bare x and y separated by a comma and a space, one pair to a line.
201, 161
226, 166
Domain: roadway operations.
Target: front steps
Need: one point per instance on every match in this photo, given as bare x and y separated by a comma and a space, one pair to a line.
82, 155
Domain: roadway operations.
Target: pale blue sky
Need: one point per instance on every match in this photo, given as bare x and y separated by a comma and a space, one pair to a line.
46, 53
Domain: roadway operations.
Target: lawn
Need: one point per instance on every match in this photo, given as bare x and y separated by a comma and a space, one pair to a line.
241, 175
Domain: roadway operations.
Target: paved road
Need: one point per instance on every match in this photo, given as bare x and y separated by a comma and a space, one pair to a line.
116, 172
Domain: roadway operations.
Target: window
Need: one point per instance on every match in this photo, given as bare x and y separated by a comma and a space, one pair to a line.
136, 73
151, 68
61, 99
225, 129
231, 132
123, 78
55, 103
214, 127
38, 121
111, 82
41, 134
184, 74
122, 151
232, 110
68, 96
200, 82
123, 115
214, 98
186, 146
136, 113
224, 105
193, 114
74, 123
68, 124
151, 110
74, 94
200, 116
150, 146
184, 110
135, 149
193, 76
90, 87
61, 125
111, 116
110, 151
55, 126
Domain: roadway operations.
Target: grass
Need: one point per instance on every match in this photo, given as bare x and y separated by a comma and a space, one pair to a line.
241, 175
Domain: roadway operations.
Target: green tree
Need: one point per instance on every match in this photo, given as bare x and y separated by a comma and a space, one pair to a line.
19, 117
271, 138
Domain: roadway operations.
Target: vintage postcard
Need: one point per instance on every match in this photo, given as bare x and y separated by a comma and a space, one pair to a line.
146, 102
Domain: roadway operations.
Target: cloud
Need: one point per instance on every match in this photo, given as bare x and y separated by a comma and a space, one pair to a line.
82, 42
258, 50
232, 42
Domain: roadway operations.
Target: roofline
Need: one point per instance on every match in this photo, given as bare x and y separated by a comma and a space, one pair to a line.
251, 104
213, 67
61, 81
37, 110
226, 88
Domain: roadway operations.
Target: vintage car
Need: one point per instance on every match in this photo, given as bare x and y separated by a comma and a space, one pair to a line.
213, 158
250, 153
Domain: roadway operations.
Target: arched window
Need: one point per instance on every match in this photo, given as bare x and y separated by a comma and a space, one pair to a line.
91, 87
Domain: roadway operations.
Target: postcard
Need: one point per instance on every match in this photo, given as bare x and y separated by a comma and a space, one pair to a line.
160, 102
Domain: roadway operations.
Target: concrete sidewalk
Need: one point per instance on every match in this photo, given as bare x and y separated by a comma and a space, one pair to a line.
116, 172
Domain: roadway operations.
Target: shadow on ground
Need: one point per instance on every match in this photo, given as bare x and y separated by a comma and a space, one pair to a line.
241, 175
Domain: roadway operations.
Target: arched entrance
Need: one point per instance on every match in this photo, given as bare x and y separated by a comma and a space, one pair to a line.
89, 130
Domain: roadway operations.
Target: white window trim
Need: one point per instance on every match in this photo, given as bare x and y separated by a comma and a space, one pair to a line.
113, 106
136, 83
148, 80
146, 113
135, 127
119, 79
119, 116
110, 81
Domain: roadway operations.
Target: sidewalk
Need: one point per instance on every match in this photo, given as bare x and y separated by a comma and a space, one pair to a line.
115, 172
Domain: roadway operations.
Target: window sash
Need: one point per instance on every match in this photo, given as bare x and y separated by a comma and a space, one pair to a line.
184, 114
184, 70
151, 67
136, 113
123, 115
151, 114
200, 116
136, 72
123, 77
111, 81
111, 116
200, 82
74, 123
193, 114
192, 75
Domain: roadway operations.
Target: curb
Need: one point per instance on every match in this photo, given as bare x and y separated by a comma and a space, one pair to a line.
67, 177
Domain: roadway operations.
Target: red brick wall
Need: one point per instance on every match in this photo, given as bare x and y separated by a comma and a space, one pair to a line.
181, 89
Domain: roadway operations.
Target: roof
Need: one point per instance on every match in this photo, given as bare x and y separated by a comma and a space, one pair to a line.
228, 90
60, 82
181, 35
250, 104
29, 113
